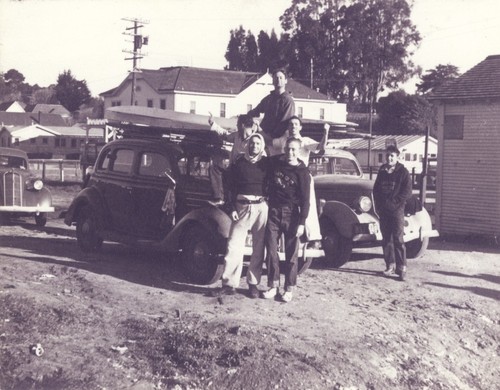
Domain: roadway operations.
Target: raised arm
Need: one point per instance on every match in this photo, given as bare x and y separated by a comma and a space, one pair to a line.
324, 140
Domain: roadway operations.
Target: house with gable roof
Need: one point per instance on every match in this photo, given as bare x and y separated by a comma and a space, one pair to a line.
224, 93
12, 106
468, 169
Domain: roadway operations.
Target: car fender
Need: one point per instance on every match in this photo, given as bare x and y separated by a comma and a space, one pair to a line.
87, 196
211, 218
342, 216
41, 198
419, 226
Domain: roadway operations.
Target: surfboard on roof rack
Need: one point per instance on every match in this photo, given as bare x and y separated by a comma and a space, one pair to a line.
137, 121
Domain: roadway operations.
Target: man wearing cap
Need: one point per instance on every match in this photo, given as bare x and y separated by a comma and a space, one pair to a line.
392, 188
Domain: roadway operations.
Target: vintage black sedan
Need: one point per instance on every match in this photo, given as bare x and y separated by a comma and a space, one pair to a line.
22, 193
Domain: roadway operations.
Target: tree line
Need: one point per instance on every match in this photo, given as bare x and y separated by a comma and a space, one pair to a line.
68, 91
351, 51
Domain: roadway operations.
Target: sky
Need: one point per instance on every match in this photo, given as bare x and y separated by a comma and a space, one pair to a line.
42, 38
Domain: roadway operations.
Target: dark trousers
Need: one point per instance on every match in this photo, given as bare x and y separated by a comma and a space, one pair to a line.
216, 172
392, 228
282, 220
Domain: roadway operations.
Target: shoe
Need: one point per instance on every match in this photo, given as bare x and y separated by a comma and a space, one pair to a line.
270, 294
253, 291
224, 290
390, 271
287, 296
216, 202
402, 274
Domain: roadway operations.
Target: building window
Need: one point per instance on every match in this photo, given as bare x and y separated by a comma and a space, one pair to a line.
45, 141
16, 141
57, 142
249, 107
453, 127
150, 102
73, 143
192, 108
407, 157
381, 157
163, 104
321, 113
116, 103
33, 140
300, 112
223, 110
63, 142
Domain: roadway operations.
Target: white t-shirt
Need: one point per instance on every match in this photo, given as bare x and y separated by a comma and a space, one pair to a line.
308, 145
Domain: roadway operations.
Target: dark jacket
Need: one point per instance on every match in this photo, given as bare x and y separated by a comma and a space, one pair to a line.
289, 185
277, 109
391, 190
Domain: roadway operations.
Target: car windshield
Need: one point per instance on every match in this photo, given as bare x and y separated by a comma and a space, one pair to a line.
13, 162
325, 165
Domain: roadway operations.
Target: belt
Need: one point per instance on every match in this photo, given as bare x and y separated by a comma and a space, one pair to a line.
246, 201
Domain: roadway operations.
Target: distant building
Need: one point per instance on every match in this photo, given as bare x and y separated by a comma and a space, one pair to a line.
412, 148
13, 106
57, 109
50, 142
224, 93
468, 168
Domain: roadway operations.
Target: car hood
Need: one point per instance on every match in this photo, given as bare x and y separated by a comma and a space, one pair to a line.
344, 189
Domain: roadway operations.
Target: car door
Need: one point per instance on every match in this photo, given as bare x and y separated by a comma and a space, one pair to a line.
115, 185
153, 194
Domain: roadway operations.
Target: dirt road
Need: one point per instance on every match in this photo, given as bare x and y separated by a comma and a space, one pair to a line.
128, 319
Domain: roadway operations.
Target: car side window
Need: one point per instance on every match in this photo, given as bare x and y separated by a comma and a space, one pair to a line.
104, 161
154, 164
122, 161
182, 164
199, 167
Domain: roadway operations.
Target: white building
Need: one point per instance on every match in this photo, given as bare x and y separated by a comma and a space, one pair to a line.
412, 148
224, 93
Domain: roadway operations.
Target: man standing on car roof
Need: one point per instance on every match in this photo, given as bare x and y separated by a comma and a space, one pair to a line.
392, 188
278, 107
247, 179
289, 185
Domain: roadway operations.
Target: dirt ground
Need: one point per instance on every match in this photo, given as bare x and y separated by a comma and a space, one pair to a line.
129, 319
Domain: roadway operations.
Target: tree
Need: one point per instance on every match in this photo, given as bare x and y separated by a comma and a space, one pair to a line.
235, 48
70, 92
400, 113
436, 77
357, 48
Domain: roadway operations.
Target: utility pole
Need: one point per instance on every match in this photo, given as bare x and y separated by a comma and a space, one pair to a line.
138, 41
312, 72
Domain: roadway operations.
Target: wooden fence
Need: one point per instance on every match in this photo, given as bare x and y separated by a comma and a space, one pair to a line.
57, 169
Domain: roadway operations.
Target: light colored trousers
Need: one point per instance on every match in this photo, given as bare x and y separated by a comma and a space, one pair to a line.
252, 217
313, 231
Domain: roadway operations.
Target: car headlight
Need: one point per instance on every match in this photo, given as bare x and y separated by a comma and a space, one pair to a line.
34, 184
38, 185
364, 204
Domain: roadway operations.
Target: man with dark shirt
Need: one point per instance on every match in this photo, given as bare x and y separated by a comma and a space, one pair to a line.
391, 190
289, 182
278, 107
246, 181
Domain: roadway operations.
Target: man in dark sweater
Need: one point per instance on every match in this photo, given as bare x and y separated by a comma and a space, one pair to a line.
247, 178
278, 107
390, 191
289, 182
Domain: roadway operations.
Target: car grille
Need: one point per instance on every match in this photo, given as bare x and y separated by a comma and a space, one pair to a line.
12, 194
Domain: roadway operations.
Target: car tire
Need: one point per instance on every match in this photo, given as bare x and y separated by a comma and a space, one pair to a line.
41, 219
337, 248
86, 230
416, 248
201, 256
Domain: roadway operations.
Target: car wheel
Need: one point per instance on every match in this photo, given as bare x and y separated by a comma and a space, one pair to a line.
86, 230
41, 220
201, 256
337, 248
416, 248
